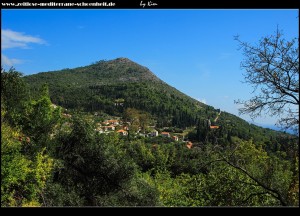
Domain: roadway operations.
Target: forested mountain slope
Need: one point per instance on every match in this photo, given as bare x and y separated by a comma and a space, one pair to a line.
52, 158
112, 86
99, 86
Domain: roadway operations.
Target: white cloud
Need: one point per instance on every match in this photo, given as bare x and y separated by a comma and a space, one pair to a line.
10, 62
13, 39
203, 100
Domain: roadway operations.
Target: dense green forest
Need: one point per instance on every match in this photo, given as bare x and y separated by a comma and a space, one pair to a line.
48, 159
101, 86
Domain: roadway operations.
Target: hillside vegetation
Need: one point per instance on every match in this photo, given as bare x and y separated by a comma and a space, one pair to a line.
113, 134
99, 88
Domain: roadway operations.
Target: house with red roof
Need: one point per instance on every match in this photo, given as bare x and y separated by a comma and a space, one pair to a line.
189, 144
175, 138
165, 134
122, 132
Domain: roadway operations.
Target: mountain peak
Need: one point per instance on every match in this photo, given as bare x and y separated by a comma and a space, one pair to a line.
125, 70
123, 59
127, 62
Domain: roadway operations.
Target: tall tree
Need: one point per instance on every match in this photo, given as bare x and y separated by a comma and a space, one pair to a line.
272, 67
14, 95
99, 170
24, 172
41, 116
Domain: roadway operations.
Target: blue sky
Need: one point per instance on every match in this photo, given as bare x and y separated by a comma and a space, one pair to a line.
192, 50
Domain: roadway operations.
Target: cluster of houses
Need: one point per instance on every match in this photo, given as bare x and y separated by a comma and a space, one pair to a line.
110, 126
115, 125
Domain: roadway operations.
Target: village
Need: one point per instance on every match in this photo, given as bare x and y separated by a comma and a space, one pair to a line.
106, 124
114, 124
122, 128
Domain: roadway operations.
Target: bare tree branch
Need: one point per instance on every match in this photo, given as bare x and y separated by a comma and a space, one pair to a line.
272, 68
